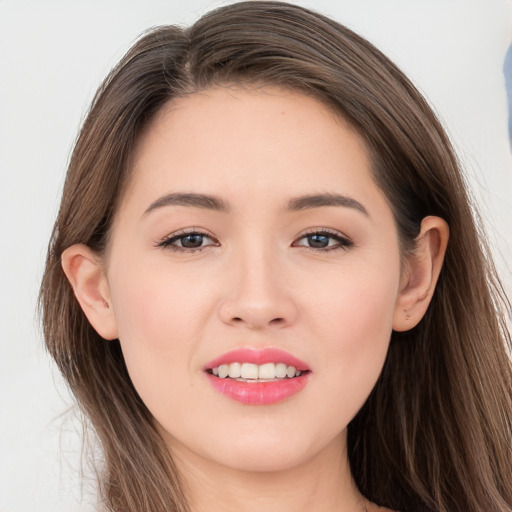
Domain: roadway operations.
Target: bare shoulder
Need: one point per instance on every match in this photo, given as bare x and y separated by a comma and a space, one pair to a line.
372, 507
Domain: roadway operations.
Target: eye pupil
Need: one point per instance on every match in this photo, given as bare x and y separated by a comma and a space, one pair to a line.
318, 241
192, 241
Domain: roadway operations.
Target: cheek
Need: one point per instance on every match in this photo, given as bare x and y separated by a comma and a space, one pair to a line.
355, 322
356, 302
159, 327
153, 306
364, 330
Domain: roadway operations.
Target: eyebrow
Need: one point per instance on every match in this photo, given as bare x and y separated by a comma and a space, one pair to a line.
319, 200
204, 201
215, 203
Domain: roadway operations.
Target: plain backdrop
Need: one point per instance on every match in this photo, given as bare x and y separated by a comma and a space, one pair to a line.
53, 55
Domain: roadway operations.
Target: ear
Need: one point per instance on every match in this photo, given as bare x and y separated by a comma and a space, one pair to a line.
421, 272
84, 270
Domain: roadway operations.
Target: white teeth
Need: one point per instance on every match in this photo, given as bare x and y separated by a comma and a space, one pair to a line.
223, 371
267, 371
281, 370
235, 370
290, 372
249, 371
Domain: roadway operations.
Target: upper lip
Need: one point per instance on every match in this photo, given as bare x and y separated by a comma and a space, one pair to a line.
257, 356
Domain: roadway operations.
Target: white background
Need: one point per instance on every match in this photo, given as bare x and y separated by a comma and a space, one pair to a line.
53, 55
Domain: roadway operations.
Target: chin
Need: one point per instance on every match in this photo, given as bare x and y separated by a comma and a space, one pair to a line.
270, 451
261, 459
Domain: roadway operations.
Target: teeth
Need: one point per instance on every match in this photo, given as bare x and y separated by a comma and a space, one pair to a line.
281, 370
235, 370
223, 371
249, 371
290, 372
267, 371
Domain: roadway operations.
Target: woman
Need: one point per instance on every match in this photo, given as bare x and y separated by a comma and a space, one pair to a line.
265, 286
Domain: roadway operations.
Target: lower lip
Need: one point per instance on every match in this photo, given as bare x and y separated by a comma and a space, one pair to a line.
258, 393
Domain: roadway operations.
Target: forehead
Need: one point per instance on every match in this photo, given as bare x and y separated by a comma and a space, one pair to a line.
264, 142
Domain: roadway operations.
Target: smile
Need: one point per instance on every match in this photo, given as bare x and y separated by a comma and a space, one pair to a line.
248, 372
264, 377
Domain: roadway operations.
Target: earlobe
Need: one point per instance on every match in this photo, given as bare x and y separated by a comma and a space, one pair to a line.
84, 271
421, 274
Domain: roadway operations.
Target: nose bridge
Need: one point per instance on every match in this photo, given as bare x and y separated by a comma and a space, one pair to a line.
257, 295
259, 276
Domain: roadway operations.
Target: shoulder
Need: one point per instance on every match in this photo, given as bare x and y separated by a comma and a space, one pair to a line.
372, 507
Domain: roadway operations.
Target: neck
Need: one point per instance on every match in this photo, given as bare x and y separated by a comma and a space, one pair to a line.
321, 483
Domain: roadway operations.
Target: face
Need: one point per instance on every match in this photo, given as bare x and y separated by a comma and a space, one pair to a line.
252, 232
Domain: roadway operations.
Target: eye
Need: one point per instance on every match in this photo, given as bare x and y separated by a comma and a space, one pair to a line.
324, 240
187, 241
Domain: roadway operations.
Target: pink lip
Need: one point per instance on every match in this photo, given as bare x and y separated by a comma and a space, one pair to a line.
258, 356
258, 393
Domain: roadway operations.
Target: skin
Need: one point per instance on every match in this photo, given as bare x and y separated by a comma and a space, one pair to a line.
255, 282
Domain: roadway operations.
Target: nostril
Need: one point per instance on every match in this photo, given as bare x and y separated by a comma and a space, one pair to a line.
274, 321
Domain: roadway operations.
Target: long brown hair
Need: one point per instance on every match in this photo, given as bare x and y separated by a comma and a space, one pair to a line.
436, 432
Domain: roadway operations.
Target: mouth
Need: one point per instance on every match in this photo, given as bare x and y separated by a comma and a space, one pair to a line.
258, 377
249, 372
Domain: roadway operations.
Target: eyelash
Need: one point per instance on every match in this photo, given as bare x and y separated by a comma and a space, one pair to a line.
343, 242
168, 242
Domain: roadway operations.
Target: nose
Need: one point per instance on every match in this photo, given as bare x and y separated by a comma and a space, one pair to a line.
258, 295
